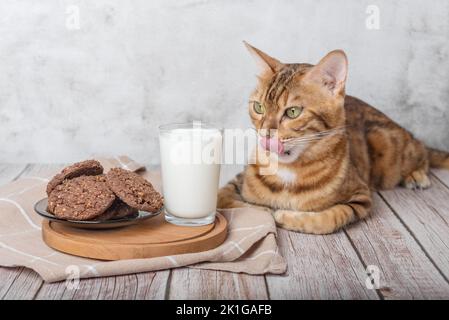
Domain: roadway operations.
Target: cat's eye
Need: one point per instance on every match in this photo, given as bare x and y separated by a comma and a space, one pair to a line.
258, 107
293, 112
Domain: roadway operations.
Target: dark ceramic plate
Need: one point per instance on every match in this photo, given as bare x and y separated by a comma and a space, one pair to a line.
41, 208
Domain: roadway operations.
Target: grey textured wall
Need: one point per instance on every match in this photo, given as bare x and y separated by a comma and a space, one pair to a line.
67, 93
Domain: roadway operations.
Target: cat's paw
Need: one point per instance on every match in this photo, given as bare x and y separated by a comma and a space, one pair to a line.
305, 222
417, 180
292, 220
278, 216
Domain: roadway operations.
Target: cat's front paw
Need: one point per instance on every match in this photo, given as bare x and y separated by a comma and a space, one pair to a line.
304, 222
278, 216
418, 179
292, 220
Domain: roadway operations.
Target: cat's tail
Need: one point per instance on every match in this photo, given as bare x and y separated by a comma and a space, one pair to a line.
438, 158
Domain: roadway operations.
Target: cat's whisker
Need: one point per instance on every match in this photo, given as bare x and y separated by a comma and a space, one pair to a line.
324, 132
312, 137
308, 138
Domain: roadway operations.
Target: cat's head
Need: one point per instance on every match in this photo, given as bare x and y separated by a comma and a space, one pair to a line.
294, 105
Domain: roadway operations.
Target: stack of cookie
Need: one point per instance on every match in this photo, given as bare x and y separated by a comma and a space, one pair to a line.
82, 192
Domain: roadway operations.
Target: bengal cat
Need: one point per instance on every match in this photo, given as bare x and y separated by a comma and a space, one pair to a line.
333, 150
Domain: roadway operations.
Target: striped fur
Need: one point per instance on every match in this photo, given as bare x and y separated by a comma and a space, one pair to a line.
334, 174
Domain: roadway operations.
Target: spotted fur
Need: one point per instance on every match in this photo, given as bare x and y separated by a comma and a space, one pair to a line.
335, 174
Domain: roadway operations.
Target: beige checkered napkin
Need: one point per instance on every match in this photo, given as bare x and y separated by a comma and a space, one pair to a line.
250, 246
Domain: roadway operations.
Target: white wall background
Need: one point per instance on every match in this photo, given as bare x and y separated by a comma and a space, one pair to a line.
67, 94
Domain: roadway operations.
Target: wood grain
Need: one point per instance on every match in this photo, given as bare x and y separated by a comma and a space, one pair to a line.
425, 213
410, 246
41, 170
405, 271
442, 175
10, 172
141, 286
56, 291
25, 286
187, 283
7, 278
153, 285
319, 267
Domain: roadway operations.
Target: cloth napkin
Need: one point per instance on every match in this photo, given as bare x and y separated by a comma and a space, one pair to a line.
250, 246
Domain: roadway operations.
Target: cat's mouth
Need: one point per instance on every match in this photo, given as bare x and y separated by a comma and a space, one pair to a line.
276, 145
272, 144
292, 154
286, 152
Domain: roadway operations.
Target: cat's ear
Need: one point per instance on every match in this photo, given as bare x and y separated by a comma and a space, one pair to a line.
331, 72
266, 64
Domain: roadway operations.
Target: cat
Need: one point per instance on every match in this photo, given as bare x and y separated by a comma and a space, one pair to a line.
333, 149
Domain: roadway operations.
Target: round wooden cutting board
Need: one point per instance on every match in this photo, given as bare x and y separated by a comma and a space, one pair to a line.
151, 238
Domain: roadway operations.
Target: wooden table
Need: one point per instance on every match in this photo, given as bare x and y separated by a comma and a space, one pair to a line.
406, 237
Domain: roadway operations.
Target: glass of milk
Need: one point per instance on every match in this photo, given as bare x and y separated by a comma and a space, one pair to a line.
190, 163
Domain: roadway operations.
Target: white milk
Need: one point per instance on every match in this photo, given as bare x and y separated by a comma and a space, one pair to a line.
190, 172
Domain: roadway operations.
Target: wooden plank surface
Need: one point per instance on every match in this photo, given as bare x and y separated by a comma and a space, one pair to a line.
25, 286
425, 213
41, 170
405, 270
10, 172
141, 286
319, 267
406, 237
442, 175
187, 283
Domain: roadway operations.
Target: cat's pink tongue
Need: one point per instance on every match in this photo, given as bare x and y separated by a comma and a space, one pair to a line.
272, 144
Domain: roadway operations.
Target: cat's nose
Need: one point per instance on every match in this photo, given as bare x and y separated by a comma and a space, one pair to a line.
272, 144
